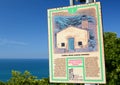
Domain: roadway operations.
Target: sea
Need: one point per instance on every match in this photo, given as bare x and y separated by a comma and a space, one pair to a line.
37, 67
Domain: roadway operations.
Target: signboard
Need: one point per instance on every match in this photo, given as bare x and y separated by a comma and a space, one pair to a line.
76, 53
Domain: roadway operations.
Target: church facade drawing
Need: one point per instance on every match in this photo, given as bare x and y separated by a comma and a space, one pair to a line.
72, 38
75, 33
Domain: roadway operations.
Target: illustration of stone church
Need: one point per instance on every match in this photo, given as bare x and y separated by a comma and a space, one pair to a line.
72, 38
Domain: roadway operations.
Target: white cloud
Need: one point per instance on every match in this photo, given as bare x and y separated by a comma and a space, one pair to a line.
11, 42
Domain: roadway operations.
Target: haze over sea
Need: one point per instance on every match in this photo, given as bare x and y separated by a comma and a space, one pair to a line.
37, 67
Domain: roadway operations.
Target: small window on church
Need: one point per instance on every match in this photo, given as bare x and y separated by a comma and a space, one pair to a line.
62, 44
79, 43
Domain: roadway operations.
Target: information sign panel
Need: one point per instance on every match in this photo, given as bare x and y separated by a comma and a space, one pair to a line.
76, 53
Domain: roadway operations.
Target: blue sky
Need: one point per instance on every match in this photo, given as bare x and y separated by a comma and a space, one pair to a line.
23, 25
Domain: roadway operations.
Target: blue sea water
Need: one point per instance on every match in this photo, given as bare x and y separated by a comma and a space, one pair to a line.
37, 67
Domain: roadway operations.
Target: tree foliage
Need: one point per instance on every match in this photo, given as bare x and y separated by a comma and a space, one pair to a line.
19, 78
112, 58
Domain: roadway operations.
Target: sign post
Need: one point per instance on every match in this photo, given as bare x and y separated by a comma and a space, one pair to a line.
76, 53
90, 1
71, 2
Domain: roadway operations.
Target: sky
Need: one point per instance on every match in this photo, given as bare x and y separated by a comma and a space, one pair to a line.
24, 27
